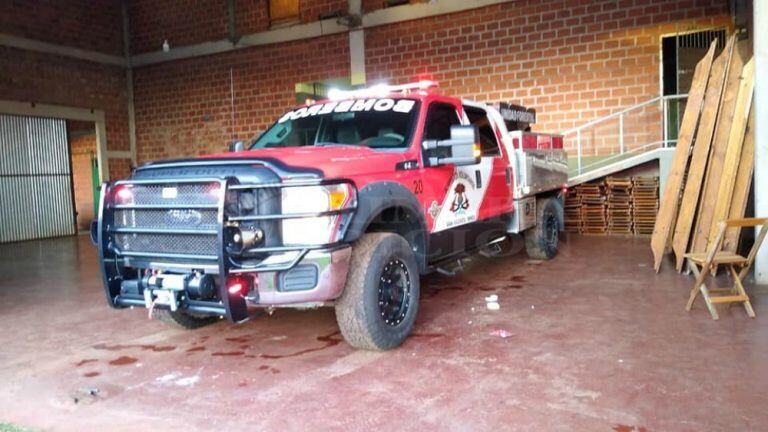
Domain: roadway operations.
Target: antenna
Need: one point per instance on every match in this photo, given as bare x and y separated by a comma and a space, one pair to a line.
232, 99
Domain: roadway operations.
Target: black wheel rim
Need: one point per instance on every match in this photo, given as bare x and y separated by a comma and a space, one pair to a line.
394, 292
552, 232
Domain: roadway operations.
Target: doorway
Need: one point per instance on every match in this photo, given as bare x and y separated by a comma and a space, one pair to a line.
680, 52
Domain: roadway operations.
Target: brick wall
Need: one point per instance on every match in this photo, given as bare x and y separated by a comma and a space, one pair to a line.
89, 24
34, 77
372, 5
184, 109
190, 22
311, 10
119, 168
572, 60
44, 78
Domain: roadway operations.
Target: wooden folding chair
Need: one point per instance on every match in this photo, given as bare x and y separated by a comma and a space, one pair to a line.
702, 263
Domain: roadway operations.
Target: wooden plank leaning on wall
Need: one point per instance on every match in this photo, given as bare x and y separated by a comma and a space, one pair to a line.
700, 236
668, 207
742, 186
722, 204
700, 155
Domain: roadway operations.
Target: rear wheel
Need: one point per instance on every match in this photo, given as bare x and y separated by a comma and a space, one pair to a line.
381, 298
542, 240
183, 320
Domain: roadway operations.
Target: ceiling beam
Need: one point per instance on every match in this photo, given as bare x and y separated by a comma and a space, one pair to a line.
314, 29
66, 51
286, 34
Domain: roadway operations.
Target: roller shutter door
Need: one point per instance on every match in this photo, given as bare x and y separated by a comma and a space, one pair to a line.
35, 179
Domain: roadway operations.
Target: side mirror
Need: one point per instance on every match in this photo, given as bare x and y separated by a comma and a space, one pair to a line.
463, 148
236, 146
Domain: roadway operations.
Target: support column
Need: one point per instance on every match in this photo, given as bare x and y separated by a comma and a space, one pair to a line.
356, 47
129, 80
760, 101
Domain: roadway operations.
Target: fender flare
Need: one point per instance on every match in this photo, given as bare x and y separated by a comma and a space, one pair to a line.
375, 198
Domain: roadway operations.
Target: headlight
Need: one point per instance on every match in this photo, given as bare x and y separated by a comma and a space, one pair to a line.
308, 200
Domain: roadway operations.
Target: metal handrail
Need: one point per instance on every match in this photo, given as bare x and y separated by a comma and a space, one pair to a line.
664, 100
624, 111
610, 158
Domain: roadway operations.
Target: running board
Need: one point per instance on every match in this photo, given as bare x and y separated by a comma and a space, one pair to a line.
455, 269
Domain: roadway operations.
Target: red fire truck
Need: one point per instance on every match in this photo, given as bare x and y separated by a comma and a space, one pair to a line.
343, 202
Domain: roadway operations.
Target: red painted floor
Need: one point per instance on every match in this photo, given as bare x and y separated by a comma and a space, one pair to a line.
595, 341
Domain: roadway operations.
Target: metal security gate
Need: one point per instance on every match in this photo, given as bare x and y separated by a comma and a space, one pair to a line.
35, 179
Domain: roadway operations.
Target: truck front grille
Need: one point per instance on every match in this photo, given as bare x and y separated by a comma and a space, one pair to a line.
166, 218
190, 194
188, 209
185, 244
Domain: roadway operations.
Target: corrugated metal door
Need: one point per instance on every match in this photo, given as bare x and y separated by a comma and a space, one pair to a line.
35, 179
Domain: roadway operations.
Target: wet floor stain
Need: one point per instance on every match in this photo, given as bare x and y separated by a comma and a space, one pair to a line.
427, 335
228, 353
85, 362
329, 340
435, 291
196, 349
500, 288
627, 428
153, 348
123, 360
91, 374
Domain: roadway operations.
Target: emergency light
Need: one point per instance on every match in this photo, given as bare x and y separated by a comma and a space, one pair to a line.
380, 90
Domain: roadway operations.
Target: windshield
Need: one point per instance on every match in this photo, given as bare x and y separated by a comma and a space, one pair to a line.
381, 123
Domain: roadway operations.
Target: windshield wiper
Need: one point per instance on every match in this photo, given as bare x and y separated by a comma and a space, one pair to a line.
333, 144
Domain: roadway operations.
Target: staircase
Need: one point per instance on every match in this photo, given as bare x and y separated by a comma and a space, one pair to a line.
625, 139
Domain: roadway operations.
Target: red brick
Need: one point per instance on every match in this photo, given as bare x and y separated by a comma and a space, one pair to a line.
95, 25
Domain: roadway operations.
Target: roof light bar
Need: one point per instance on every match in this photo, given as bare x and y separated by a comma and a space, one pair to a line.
380, 90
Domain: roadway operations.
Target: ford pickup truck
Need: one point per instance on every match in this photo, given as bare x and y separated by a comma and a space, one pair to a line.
344, 202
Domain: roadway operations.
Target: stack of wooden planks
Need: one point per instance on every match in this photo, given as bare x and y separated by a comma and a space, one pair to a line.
619, 198
645, 204
711, 170
593, 215
572, 211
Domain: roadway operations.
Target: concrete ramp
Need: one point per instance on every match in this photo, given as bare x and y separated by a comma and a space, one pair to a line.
664, 156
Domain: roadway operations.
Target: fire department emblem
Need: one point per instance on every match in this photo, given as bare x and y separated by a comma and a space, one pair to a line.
460, 201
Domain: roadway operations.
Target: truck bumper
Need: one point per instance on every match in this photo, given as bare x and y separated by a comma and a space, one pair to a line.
161, 265
319, 277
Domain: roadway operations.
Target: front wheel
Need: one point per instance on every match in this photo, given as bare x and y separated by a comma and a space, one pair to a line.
542, 240
381, 298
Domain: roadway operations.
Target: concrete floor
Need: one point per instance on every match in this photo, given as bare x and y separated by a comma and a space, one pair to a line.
596, 342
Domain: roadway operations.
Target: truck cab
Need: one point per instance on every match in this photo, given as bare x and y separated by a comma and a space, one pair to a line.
343, 202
